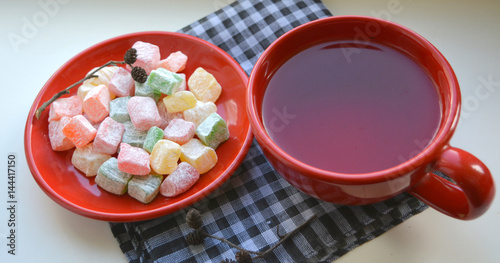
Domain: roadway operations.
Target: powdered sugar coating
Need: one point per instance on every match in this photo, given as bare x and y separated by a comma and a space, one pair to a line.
180, 180
199, 112
165, 156
133, 160
179, 131
111, 179
108, 137
96, 103
68, 107
180, 101
79, 130
143, 112
58, 141
122, 84
175, 62
204, 85
104, 76
148, 55
200, 156
167, 117
87, 160
144, 188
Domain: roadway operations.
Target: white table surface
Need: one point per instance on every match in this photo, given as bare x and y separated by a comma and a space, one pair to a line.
466, 32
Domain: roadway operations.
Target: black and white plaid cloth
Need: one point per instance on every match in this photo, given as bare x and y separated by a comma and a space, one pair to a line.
247, 209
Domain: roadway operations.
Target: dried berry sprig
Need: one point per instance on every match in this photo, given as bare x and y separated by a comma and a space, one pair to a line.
138, 74
38, 112
243, 257
130, 56
193, 219
196, 237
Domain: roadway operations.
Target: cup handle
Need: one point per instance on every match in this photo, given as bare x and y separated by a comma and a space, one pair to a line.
471, 193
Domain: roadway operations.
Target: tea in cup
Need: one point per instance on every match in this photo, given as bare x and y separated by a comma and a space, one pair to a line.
355, 110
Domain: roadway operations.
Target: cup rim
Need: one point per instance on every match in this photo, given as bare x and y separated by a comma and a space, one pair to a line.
449, 119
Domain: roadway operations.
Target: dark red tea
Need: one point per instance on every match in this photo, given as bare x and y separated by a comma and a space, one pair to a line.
351, 108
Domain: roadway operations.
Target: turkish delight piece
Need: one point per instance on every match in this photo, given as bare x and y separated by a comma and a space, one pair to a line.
213, 131
84, 89
58, 141
143, 112
109, 136
167, 117
118, 109
154, 135
200, 156
79, 130
165, 156
87, 160
175, 62
121, 83
183, 85
133, 160
148, 56
179, 131
144, 188
204, 86
164, 81
96, 103
179, 101
180, 180
144, 90
104, 76
132, 136
199, 112
68, 107
111, 179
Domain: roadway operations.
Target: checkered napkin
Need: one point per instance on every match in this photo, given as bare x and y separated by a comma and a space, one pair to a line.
247, 209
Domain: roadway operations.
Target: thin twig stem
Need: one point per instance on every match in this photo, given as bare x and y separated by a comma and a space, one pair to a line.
38, 112
261, 254
234, 245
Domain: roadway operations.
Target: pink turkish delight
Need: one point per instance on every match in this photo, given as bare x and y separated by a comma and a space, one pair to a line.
143, 113
122, 84
108, 137
96, 103
180, 180
179, 131
68, 107
58, 141
148, 55
133, 160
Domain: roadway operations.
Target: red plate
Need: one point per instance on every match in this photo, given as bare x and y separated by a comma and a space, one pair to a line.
57, 177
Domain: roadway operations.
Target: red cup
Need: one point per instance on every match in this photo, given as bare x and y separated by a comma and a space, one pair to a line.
471, 189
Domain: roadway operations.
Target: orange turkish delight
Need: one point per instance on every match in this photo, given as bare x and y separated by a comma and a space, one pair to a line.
175, 62
79, 130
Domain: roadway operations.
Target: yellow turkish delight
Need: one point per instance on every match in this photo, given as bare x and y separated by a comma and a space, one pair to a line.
200, 156
204, 86
199, 112
179, 101
164, 156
